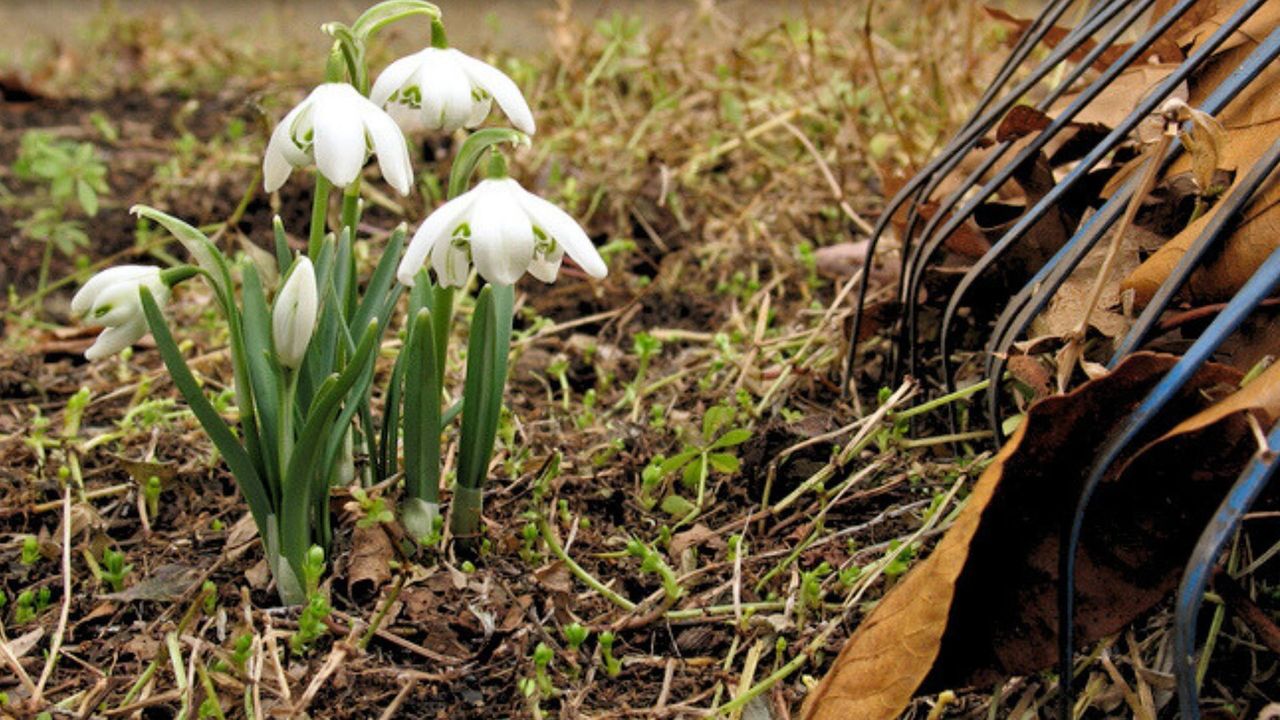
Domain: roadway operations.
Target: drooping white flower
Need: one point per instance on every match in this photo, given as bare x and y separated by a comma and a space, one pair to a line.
505, 230
110, 299
336, 127
293, 318
444, 89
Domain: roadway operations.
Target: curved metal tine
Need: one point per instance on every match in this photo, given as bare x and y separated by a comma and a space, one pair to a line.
1022, 309
1261, 285
981, 120
1034, 214
967, 134
931, 238
959, 148
1260, 470
1113, 139
1046, 282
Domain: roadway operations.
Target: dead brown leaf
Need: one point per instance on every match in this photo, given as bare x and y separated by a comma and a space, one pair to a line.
1251, 123
369, 565
982, 606
1163, 49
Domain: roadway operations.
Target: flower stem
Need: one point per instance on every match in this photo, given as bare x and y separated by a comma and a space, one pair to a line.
319, 215
438, 38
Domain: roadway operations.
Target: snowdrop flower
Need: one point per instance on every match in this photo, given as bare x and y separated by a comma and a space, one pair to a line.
337, 126
444, 89
293, 319
110, 299
505, 230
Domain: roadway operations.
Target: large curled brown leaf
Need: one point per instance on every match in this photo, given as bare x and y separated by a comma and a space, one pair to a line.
982, 605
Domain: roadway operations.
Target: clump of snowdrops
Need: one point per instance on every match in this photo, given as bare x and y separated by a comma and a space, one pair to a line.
303, 352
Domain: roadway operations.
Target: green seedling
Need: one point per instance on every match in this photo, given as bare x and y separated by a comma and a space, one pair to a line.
65, 173
30, 550
373, 510
651, 562
311, 621
694, 463
575, 635
811, 590
30, 604
114, 569
612, 665
542, 655
151, 494
901, 561
210, 592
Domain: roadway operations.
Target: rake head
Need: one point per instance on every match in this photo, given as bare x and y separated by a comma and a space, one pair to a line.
1082, 178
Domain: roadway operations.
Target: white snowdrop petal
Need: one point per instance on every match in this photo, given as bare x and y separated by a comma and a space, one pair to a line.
503, 89
114, 339
393, 153
479, 111
84, 299
453, 88
393, 78
547, 268
437, 228
339, 138
559, 225
501, 237
450, 263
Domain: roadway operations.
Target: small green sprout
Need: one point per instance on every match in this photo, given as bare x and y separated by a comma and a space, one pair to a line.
467, 567
151, 493
30, 550
612, 665
115, 569
575, 635
30, 604
373, 510
241, 649
311, 622
210, 591
902, 561
542, 655
651, 562
216, 525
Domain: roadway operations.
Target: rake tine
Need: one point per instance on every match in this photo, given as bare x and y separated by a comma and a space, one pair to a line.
1263, 282
1037, 293
1243, 494
1113, 139
930, 240
952, 152
973, 132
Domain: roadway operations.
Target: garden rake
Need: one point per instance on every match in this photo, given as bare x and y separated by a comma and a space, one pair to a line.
1080, 65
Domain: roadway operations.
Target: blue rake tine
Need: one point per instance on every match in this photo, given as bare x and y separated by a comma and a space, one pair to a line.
932, 239
1208, 549
960, 144
1112, 140
1262, 284
1033, 297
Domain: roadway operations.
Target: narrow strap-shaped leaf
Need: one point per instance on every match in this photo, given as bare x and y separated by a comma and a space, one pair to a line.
391, 421
261, 370
238, 461
422, 413
304, 467
481, 360
284, 256
201, 248
380, 282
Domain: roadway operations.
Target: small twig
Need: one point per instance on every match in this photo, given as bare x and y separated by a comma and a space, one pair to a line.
18, 670
410, 683
56, 643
